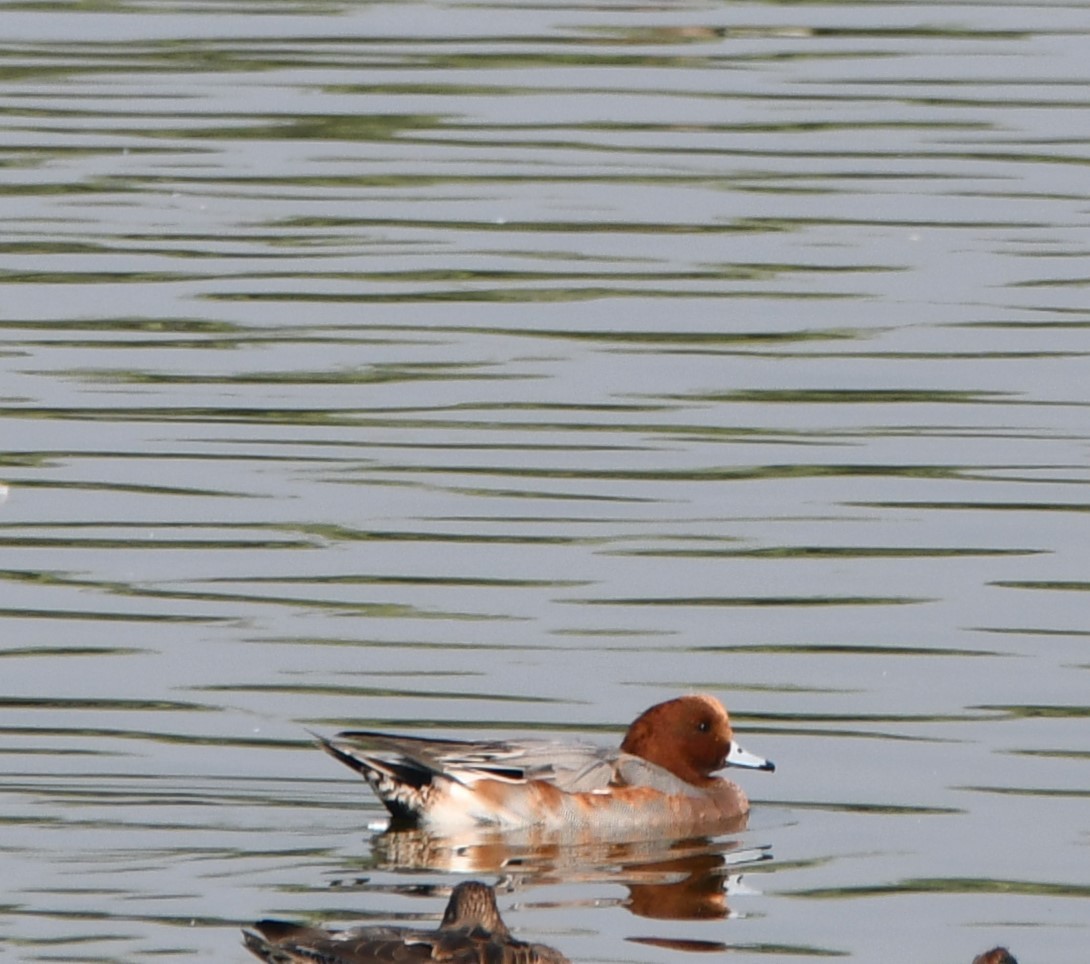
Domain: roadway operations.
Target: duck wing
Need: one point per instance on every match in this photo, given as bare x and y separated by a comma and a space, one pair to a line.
572, 767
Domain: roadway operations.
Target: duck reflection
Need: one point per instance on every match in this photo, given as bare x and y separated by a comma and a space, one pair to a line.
693, 887
666, 880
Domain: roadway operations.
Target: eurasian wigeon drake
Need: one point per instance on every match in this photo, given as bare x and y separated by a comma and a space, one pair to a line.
472, 932
997, 955
659, 781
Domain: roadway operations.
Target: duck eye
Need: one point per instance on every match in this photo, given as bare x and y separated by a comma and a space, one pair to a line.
704, 726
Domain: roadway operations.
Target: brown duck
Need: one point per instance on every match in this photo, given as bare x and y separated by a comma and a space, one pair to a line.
472, 932
660, 781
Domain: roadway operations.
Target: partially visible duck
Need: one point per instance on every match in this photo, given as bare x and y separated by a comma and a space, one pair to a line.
472, 932
660, 780
997, 955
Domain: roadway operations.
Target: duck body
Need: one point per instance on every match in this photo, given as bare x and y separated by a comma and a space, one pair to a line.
660, 778
472, 932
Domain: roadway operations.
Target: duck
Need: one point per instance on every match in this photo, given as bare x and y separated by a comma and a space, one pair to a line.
661, 780
472, 932
997, 955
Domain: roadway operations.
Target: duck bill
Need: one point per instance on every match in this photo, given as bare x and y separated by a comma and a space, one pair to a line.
742, 758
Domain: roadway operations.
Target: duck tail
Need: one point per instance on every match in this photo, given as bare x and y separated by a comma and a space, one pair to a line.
400, 782
262, 949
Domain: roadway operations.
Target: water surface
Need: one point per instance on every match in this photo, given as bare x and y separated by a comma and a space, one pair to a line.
495, 368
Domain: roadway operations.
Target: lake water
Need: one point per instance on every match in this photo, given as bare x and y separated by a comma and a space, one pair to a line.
487, 368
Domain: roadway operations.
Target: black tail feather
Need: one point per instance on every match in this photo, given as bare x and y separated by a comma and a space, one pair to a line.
405, 771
